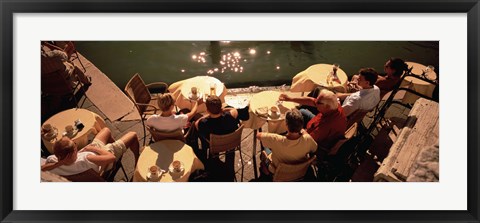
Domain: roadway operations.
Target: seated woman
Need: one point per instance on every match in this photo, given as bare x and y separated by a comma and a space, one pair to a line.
99, 155
169, 121
291, 148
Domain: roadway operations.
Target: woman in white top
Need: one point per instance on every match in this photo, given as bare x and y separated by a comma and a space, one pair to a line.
168, 121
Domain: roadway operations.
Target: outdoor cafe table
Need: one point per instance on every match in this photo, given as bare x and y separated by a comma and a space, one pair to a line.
162, 154
316, 75
181, 91
416, 84
259, 108
92, 122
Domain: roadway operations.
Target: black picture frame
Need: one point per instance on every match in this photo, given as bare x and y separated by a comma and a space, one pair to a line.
8, 8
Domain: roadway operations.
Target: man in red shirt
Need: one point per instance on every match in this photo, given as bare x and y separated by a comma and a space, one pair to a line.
330, 124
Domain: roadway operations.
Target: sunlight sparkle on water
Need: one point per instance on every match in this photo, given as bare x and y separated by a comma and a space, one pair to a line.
229, 61
253, 51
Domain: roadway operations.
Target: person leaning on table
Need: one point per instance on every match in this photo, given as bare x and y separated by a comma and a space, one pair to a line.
99, 155
291, 148
330, 124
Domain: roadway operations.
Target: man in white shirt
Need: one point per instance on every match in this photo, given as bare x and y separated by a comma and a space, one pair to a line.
366, 98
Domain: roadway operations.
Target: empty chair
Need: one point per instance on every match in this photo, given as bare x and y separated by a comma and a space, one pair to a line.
292, 172
226, 144
145, 102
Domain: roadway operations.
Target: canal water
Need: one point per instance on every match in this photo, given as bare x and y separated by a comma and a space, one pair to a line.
245, 63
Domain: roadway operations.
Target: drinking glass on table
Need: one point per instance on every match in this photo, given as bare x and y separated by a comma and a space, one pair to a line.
212, 88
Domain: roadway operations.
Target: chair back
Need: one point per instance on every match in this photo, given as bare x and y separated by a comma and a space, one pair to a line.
348, 135
224, 143
56, 83
292, 172
86, 176
138, 92
160, 135
356, 117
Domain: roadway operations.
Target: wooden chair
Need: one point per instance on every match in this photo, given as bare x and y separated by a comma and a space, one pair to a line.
56, 84
356, 117
145, 102
330, 160
89, 175
160, 135
292, 172
227, 144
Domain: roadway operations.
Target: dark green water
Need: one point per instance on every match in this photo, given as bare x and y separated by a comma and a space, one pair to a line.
258, 63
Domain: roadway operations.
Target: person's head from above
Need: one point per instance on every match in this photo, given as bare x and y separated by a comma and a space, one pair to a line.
65, 149
326, 101
367, 77
395, 67
165, 102
214, 105
294, 121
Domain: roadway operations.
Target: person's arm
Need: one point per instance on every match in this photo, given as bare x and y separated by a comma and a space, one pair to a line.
233, 112
300, 100
342, 96
193, 111
350, 105
199, 120
52, 165
102, 159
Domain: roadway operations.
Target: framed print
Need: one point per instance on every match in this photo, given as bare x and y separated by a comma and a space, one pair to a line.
449, 29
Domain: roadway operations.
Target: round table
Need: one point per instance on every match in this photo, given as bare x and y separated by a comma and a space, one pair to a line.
416, 84
316, 75
258, 111
259, 108
181, 91
92, 122
162, 154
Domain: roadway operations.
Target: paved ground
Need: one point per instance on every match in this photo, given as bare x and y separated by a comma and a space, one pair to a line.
103, 93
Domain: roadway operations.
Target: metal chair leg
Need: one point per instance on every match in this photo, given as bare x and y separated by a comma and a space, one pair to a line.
243, 166
78, 58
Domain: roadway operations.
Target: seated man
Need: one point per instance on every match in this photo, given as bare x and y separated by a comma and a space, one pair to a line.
291, 148
53, 59
168, 121
394, 68
218, 121
367, 98
329, 124
99, 155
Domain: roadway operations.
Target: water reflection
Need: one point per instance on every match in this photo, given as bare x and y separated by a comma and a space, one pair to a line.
245, 63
